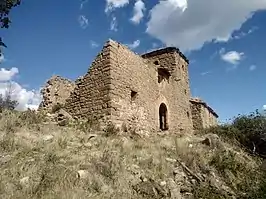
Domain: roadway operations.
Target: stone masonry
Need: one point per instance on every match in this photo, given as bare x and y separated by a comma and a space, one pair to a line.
203, 116
56, 91
150, 92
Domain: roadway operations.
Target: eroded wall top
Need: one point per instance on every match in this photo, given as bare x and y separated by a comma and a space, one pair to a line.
56, 91
199, 101
164, 51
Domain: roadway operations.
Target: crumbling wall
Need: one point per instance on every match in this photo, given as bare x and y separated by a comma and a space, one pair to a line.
128, 89
196, 109
56, 91
202, 115
90, 99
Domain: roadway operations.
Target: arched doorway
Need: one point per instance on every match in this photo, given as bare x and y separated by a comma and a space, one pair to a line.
163, 117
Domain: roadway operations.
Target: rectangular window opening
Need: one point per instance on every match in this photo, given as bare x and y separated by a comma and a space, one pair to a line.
163, 74
133, 95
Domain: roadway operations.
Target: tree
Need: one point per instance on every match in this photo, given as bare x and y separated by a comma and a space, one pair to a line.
5, 7
6, 102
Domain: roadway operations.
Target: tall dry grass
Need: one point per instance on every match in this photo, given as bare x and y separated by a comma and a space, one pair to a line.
42, 160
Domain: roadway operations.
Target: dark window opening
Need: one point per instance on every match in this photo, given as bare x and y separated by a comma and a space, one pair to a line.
163, 117
187, 114
133, 95
163, 74
156, 62
185, 90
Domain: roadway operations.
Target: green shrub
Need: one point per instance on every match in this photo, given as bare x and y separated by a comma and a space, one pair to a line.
6, 103
249, 131
226, 160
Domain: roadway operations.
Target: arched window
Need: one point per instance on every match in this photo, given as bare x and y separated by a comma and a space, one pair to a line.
163, 117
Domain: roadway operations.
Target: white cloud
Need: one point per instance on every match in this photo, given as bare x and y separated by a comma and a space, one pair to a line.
264, 107
25, 98
94, 44
83, 21
232, 57
83, 2
139, 9
239, 35
205, 73
113, 25
190, 24
7, 75
134, 45
252, 67
113, 4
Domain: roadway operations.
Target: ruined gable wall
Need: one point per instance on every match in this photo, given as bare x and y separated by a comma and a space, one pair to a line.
208, 118
196, 110
203, 116
90, 97
56, 91
132, 72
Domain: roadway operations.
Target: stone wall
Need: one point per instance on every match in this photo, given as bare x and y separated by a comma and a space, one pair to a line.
136, 75
56, 91
90, 99
129, 89
178, 90
203, 116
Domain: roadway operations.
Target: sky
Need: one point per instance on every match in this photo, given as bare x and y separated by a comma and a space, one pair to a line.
224, 41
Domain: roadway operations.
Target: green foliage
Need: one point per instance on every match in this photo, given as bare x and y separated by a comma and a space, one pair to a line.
5, 8
253, 131
226, 160
7, 103
249, 131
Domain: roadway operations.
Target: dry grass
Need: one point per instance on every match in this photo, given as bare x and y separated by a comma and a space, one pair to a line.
46, 161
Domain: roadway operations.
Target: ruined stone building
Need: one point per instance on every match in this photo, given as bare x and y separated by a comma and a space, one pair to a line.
150, 92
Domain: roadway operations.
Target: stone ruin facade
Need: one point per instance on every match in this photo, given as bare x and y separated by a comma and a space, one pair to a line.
55, 92
203, 116
149, 92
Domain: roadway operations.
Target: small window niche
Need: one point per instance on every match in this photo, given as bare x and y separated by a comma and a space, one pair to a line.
156, 63
133, 95
163, 75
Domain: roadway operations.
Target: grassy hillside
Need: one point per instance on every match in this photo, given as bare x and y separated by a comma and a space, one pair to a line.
39, 159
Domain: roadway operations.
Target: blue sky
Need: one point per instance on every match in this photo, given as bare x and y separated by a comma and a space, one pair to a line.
224, 41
